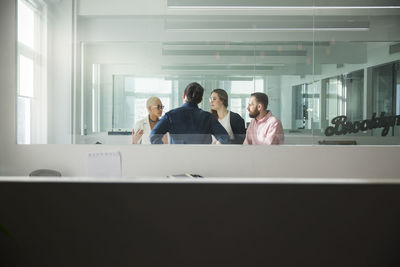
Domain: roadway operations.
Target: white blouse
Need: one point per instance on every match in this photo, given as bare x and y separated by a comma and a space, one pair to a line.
144, 124
226, 123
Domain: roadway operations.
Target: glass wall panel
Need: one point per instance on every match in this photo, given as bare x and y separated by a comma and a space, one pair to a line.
385, 97
357, 77
329, 71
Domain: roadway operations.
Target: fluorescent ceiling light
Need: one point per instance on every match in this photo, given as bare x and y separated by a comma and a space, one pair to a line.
243, 43
272, 29
282, 7
282, 4
251, 67
250, 53
295, 24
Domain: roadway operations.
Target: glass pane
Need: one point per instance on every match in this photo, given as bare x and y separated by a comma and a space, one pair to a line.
354, 84
382, 79
25, 76
24, 121
129, 84
236, 106
247, 118
166, 103
397, 129
316, 107
140, 109
152, 85
26, 24
242, 87
383, 94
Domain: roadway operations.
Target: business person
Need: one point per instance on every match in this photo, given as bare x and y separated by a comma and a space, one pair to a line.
264, 128
189, 124
142, 129
231, 121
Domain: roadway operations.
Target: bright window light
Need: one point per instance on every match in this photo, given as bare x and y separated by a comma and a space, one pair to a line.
140, 109
26, 25
236, 105
254, 7
259, 85
246, 87
165, 101
152, 85
25, 76
24, 121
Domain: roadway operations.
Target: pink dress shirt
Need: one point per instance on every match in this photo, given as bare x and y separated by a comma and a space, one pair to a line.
267, 131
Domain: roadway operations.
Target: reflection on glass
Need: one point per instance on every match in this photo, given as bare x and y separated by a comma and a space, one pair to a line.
306, 104
130, 95
236, 105
344, 96
306, 107
385, 90
152, 85
382, 80
314, 66
354, 88
140, 108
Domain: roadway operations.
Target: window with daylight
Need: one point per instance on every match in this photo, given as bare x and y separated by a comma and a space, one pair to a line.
130, 96
31, 62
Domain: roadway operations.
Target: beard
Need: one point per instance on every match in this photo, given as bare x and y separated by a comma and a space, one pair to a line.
254, 114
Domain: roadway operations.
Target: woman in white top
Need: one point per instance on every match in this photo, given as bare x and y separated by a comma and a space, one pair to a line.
232, 122
141, 131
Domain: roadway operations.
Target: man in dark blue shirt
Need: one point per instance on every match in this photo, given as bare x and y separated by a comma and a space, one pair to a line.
189, 124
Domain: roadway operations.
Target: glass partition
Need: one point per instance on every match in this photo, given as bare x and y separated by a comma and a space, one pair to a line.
331, 72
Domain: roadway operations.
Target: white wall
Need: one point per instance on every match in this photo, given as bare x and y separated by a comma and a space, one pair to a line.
235, 161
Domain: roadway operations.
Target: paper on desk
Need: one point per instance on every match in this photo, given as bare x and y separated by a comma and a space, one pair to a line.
104, 164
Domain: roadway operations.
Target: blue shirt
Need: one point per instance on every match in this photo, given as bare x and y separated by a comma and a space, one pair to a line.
189, 125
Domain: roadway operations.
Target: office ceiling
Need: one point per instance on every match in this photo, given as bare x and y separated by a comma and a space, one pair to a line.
245, 36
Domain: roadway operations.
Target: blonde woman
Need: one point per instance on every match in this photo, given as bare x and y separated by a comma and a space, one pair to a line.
141, 131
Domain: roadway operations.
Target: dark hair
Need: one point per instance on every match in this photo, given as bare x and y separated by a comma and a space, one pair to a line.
194, 92
261, 99
223, 96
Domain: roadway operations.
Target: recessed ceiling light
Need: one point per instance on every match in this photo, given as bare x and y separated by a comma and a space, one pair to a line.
281, 7
269, 29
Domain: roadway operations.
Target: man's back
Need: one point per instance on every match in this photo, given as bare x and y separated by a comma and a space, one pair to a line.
189, 125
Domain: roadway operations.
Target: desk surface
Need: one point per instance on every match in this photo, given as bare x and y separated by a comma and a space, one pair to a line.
210, 180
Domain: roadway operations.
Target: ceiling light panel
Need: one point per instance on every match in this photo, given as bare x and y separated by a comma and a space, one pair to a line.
235, 43
279, 4
267, 23
217, 67
266, 53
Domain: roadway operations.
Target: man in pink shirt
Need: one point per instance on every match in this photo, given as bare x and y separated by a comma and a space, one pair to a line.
264, 128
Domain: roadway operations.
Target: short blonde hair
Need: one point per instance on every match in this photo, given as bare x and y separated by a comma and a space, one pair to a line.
151, 101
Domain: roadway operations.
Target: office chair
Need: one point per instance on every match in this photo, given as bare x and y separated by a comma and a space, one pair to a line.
45, 172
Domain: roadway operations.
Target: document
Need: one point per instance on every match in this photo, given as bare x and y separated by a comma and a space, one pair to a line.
104, 164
